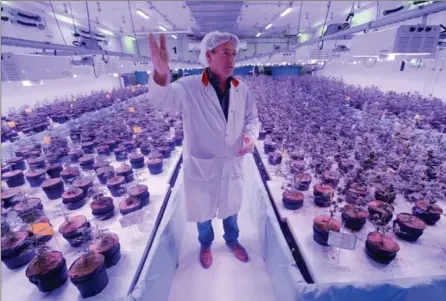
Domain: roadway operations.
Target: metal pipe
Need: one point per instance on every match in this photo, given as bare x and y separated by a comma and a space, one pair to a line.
8, 41
392, 19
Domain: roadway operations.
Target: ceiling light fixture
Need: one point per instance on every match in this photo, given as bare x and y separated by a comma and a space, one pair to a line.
105, 31
64, 19
142, 14
174, 36
286, 11
132, 38
162, 28
268, 26
258, 34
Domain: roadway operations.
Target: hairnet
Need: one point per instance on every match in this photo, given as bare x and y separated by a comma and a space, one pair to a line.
212, 40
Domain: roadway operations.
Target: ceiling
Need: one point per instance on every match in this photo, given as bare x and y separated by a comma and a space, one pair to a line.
194, 18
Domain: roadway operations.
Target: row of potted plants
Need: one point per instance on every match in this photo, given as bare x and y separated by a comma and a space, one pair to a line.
313, 132
75, 167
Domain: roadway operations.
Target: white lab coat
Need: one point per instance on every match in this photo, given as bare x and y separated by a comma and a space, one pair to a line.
212, 168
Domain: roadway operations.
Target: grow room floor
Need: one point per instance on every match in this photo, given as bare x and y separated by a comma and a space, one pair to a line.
227, 278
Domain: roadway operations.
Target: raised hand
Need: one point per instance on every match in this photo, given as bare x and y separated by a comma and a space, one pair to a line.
160, 56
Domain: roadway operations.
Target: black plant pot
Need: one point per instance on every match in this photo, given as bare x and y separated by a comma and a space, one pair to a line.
382, 209
298, 156
355, 192
323, 195
54, 170
116, 186
103, 208
35, 178
297, 167
16, 251
346, 164
354, 219
74, 198
36, 163
69, 175
49, 272
105, 173
88, 147
29, 209
77, 230
86, 162
303, 181
292, 199
109, 247
14, 178
89, 276
155, 166
269, 147
74, 155
6, 168
165, 151
381, 248
331, 178
410, 227
275, 158
23, 258
178, 140
136, 160
387, 197
171, 144
262, 135
322, 225
430, 214
8, 195
130, 146
15, 243
84, 184
53, 188
17, 163
103, 150
120, 154
129, 205
141, 192
145, 150
126, 171
111, 144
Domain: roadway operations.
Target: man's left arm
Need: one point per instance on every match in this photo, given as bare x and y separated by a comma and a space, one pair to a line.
252, 124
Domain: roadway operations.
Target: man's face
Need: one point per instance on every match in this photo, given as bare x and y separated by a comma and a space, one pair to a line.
222, 59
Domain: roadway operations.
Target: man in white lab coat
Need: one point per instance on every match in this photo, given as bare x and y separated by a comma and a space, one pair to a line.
220, 123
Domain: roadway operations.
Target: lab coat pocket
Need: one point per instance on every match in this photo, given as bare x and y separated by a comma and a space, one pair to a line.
200, 169
236, 167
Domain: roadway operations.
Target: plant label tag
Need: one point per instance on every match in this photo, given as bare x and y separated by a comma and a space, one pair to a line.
342, 240
131, 219
47, 139
11, 124
136, 129
42, 229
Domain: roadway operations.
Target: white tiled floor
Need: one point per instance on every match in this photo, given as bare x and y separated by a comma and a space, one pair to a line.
227, 278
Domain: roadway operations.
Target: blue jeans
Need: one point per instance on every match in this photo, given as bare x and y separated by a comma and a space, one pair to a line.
206, 232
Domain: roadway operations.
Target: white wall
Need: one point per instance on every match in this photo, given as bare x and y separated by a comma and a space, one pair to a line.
15, 95
387, 76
